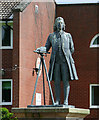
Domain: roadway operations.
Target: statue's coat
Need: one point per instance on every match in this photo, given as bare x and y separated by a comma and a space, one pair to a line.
68, 49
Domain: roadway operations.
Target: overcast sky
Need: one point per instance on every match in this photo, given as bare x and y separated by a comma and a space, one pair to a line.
75, 1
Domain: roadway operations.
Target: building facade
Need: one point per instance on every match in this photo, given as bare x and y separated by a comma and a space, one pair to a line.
82, 22
27, 30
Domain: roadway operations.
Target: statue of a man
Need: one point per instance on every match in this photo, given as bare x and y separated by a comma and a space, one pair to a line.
62, 65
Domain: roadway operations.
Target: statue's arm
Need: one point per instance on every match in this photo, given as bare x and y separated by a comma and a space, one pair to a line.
71, 44
48, 43
46, 48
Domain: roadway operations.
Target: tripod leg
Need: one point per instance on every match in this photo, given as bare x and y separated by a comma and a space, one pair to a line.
35, 84
48, 82
43, 81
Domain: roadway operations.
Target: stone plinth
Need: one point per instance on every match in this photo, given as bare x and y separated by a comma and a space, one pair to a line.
51, 112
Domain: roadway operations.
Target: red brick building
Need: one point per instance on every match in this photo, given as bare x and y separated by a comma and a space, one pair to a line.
30, 26
82, 22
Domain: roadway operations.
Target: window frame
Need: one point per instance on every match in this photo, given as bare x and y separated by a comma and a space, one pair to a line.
6, 47
92, 106
92, 41
6, 103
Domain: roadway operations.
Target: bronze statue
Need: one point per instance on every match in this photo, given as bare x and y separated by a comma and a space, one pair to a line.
62, 66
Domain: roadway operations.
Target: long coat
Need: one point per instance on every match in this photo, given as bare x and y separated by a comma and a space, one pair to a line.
68, 49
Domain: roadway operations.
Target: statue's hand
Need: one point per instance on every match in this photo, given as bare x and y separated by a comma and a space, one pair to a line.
41, 49
38, 49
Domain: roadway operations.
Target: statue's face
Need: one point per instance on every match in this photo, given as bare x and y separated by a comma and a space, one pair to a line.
60, 25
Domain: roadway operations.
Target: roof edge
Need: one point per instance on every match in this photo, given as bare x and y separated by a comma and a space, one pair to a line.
78, 4
21, 6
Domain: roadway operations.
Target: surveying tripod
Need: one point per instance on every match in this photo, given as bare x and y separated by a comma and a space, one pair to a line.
42, 61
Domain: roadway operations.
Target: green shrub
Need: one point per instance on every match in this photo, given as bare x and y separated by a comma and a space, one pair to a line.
6, 115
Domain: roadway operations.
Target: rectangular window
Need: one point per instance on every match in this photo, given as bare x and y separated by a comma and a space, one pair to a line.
6, 35
5, 92
6, 32
94, 96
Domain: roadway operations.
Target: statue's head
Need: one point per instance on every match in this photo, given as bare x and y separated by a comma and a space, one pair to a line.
59, 24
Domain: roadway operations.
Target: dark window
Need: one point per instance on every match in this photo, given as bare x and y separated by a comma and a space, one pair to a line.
95, 95
6, 35
96, 41
6, 91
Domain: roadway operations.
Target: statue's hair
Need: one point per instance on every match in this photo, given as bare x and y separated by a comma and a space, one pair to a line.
55, 24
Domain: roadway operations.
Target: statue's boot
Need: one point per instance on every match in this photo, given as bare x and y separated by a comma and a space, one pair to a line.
66, 94
57, 103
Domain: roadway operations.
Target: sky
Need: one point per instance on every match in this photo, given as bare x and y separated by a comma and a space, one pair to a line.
75, 1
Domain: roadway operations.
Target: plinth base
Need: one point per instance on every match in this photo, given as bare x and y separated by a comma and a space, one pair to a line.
64, 106
50, 112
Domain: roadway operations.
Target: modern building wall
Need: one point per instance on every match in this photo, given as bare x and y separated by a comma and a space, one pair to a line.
31, 31
81, 21
5, 65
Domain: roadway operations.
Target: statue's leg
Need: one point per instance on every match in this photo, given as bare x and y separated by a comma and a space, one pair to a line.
57, 83
65, 78
66, 94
